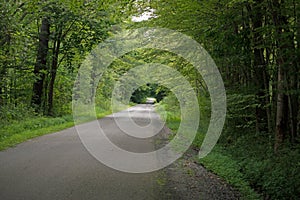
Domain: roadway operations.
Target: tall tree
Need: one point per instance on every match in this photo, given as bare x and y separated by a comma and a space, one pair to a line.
40, 67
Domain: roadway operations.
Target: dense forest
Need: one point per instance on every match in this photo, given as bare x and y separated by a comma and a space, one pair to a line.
255, 45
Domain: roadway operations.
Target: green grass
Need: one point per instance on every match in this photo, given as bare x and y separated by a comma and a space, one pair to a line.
222, 165
229, 170
244, 158
10, 137
18, 131
249, 167
15, 132
217, 161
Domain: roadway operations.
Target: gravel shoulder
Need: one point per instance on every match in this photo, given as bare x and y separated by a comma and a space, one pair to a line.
186, 179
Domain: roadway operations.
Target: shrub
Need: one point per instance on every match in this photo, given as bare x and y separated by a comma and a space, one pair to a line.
11, 112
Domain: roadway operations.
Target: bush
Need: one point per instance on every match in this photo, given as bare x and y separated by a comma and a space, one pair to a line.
275, 176
11, 112
243, 157
230, 170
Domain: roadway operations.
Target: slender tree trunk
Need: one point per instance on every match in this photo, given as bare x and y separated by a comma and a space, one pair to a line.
281, 127
293, 97
280, 131
269, 89
261, 77
54, 66
41, 65
297, 13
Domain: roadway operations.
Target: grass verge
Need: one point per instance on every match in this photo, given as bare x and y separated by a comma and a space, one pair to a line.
229, 170
217, 161
16, 132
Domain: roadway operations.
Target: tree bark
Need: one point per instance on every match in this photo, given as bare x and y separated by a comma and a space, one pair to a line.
281, 127
280, 130
41, 65
259, 65
54, 66
293, 97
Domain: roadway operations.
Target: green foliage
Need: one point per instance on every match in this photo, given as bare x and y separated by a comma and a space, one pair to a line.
19, 131
251, 41
25, 125
276, 176
221, 164
229, 170
150, 90
248, 162
279, 173
11, 112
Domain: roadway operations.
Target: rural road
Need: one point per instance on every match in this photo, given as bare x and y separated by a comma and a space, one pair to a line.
57, 166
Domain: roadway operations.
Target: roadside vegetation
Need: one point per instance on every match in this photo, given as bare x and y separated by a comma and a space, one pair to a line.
25, 124
255, 45
246, 164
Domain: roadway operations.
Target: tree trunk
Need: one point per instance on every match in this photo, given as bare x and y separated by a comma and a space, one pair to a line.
293, 97
41, 65
281, 127
53, 71
261, 77
280, 130
297, 8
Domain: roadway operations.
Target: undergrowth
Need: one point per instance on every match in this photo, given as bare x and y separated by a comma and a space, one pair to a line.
229, 169
218, 161
18, 124
245, 159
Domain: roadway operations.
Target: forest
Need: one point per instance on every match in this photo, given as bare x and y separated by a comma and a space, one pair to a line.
254, 43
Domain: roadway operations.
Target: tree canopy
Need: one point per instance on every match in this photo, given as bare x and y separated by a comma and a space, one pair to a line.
254, 43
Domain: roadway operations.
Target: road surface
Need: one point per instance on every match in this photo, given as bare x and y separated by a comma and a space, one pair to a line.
57, 166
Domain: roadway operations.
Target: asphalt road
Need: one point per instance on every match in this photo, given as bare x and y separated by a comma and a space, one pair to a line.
57, 166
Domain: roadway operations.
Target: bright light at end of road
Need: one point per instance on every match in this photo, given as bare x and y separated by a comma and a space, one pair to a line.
144, 16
